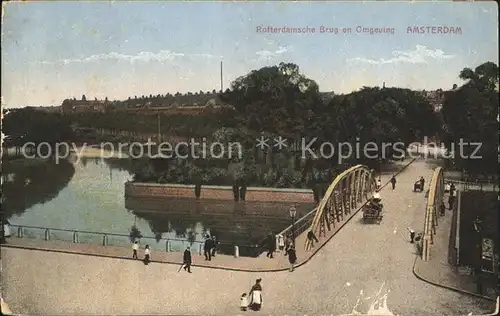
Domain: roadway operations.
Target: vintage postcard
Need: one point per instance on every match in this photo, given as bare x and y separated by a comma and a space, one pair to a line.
223, 158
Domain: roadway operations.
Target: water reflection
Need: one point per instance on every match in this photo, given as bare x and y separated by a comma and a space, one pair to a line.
244, 223
29, 182
87, 194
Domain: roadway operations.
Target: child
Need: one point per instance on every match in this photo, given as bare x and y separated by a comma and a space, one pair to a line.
135, 247
244, 302
147, 253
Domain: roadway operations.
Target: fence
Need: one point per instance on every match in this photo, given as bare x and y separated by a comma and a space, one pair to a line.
121, 240
299, 226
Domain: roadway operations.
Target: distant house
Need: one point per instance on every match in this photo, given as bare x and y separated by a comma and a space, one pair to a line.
435, 98
189, 104
82, 106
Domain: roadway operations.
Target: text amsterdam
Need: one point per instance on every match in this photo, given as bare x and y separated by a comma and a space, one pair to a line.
434, 30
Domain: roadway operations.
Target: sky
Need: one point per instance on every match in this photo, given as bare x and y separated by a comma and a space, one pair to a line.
53, 51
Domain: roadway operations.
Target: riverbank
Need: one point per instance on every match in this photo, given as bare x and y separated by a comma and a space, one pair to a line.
212, 192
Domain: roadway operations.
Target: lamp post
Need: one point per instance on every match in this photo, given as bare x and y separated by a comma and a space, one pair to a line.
293, 213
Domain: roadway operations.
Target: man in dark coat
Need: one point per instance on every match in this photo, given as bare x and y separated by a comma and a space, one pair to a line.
312, 238
271, 245
292, 256
422, 183
214, 248
451, 199
187, 260
442, 208
207, 249
393, 182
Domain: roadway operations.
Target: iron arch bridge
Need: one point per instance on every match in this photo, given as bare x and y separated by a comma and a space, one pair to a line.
349, 190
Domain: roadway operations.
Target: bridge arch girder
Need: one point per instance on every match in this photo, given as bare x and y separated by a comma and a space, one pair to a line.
434, 199
348, 190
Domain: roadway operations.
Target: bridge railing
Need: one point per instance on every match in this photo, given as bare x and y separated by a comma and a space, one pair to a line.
124, 240
434, 199
300, 225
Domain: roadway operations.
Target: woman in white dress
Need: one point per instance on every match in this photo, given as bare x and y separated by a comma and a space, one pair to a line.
256, 296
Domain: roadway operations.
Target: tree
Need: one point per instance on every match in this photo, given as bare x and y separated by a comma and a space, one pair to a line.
377, 115
31, 125
277, 99
470, 115
485, 76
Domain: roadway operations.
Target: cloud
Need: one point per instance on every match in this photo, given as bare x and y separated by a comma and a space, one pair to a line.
144, 57
420, 55
268, 55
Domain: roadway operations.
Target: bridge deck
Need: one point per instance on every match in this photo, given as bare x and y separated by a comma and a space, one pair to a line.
364, 269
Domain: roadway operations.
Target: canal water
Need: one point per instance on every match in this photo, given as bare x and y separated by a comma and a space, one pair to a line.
87, 195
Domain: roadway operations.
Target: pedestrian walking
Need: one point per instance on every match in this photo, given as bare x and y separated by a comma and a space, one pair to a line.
214, 246
452, 188
243, 302
379, 183
135, 247
312, 238
412, 235
281, 242
271, 245
207, 248
442, 208
451, 200
147, 255
256, 296
292, 257
393, 182
288, 244
187, 259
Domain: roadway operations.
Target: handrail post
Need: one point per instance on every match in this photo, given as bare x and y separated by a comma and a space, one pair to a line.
20, 232
105, 240
47, 234
75, 237
168, 247
236, 251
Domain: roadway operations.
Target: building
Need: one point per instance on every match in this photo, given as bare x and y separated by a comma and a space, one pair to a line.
81, 106
435, 98
190, 104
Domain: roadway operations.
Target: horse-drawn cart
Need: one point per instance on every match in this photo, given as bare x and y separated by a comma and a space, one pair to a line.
418, 186
372, 211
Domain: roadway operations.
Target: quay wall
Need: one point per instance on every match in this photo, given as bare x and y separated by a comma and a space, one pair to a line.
221, 193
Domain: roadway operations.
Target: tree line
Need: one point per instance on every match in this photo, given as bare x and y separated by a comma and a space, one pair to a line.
280, 100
